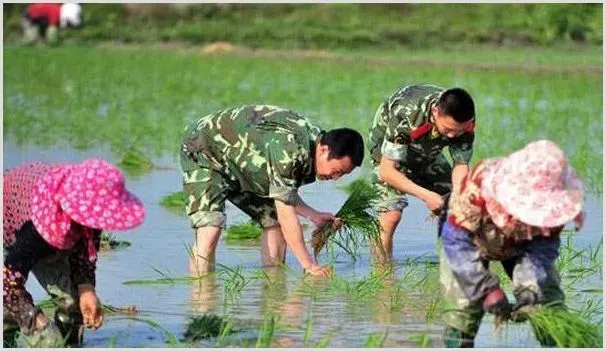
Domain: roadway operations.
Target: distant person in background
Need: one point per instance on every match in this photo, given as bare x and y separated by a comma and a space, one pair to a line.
42, 21
512, 210
53, 215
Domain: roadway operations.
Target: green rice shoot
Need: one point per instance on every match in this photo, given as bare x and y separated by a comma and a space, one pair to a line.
360, 224
203, 327
135, 162
566, 328
109, 242
247, 231
174, 200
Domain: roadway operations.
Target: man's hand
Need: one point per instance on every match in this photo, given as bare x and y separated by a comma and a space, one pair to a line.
434, 202
496, 303
318, 271
320, 218
90, 306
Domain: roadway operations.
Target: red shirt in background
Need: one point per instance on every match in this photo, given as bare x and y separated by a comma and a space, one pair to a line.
50, 12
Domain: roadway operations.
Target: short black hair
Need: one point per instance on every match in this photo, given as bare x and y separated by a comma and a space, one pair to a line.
458, 104
344, 142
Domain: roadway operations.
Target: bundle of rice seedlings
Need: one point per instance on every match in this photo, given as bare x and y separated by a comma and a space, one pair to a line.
174, 200
560, 327
109, 242
203, 327
359, 223
243, 232
135, 162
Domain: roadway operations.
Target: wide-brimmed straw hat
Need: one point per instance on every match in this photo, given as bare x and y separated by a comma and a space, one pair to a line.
536, 185
91, 193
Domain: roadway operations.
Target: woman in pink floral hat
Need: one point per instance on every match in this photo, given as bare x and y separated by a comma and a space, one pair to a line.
511, 210
53, 218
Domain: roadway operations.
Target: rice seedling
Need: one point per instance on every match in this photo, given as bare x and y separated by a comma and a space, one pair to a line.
47, 304
174, 200
362, 289
395, 300
135, 162
109, 242
111, 343
359, 223
376, 339
308, 326
325, 341
248, 231
564, 328
203, 327
233, 282
422, 339
574, 265
227, 328
162, 281
128, 310
166, 279
591, 309
267, 331
434, 305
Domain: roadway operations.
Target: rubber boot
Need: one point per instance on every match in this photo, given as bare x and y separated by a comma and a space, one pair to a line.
71, 327
456, 338
9, 338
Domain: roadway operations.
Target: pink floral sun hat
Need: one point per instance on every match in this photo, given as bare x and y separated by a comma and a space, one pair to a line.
535, 185
91, 193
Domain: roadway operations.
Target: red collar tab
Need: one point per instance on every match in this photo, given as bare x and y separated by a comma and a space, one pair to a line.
420, 130
471, 127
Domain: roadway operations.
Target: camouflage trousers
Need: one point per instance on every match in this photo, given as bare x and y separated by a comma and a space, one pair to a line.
55, 278
206, 190
463, 315
435, 176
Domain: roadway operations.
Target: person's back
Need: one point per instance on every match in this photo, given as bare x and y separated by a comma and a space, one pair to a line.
242, 142
257, 156
412, 102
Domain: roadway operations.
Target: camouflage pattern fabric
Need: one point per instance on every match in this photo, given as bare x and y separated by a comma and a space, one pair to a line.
250, 155
402, 131
436, 176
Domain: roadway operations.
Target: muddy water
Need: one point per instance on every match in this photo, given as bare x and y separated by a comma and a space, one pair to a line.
160, 243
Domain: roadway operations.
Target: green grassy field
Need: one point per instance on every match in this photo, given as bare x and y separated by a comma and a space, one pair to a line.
87, 96
334, 25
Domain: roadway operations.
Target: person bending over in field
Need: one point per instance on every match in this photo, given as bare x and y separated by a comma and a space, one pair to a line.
42, 21
406, 139
257, 156
511, 210
53, 218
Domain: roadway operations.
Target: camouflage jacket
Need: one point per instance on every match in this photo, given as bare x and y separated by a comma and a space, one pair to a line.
265, 150
402, 130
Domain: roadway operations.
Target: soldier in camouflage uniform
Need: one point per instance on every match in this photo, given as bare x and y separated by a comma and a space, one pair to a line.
510, 210
257, 156
408, 134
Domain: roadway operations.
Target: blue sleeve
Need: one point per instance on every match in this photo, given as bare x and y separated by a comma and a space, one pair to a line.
473, 276
537, 264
